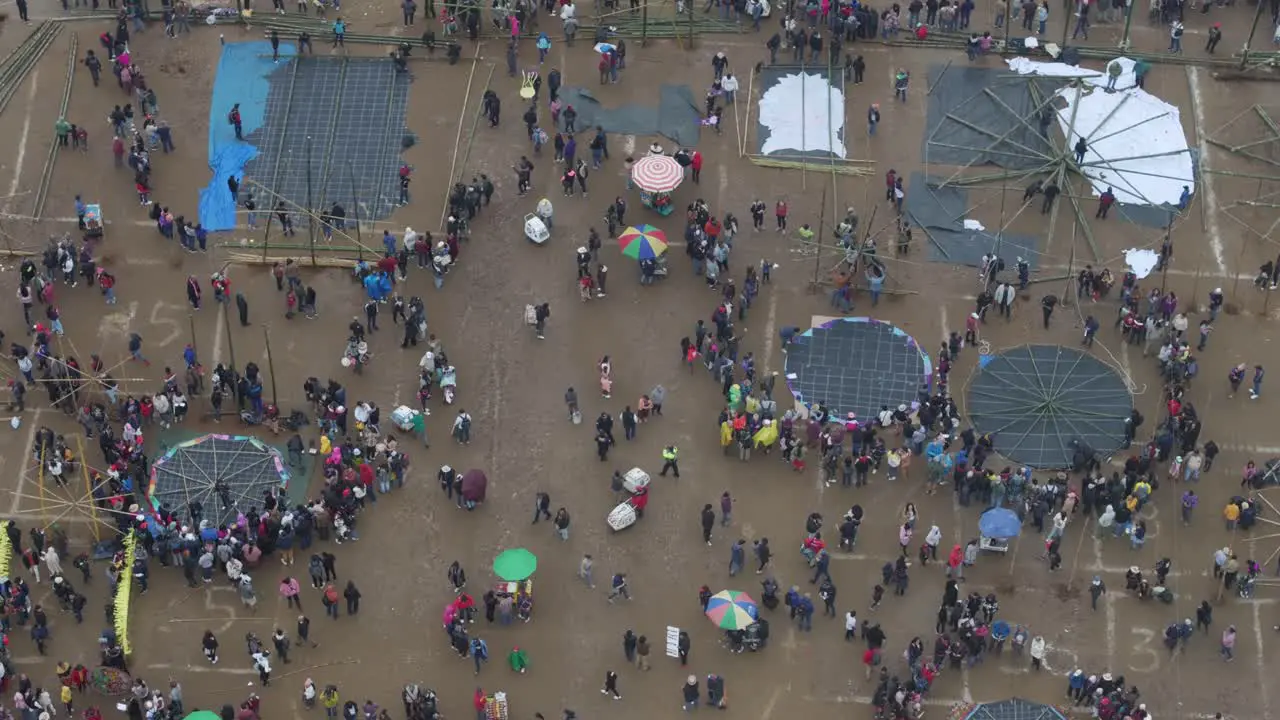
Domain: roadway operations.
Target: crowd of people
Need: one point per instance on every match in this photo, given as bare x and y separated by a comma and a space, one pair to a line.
230, 543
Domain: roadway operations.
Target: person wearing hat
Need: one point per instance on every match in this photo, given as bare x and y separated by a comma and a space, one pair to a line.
1076, 682
518, 659
1215, 34
971, 329
691, 694
545, 211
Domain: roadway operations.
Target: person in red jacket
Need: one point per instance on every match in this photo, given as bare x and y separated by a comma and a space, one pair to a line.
366, 479
697, 166
712, 229
780, 212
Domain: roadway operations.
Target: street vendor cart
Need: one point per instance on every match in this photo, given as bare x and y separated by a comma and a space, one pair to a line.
656, 177
521, 594
536, 230
94, 224
495, 706
996, 528
636, 483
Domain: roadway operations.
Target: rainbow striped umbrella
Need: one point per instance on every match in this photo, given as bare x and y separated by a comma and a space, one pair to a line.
732, 610
643, 242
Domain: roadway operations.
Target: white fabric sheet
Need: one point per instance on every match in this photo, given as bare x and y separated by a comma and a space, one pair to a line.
1119, 127
800, 119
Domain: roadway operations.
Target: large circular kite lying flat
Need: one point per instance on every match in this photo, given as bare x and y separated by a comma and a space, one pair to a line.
225, 474
1039, 400
856, 365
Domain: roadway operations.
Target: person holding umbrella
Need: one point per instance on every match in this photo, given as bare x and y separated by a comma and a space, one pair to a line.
515, 565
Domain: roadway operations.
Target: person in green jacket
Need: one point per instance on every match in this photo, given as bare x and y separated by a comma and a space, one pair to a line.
518, 659
1140, 70
63, 128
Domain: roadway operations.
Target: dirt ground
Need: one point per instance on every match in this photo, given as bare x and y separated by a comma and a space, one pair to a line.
513, 385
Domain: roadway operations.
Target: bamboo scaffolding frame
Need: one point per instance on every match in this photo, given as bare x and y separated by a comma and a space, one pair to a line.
46, 177
298, 209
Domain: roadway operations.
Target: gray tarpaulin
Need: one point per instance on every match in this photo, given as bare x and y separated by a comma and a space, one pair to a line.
965, 123
675, 117
940, 211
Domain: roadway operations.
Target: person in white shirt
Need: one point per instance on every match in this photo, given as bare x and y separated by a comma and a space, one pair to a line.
730, 86
850, 625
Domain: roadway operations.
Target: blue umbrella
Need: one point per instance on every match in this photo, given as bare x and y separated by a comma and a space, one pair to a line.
1000, 524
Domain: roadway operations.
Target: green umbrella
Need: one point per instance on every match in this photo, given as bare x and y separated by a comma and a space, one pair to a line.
204, 715
514, 565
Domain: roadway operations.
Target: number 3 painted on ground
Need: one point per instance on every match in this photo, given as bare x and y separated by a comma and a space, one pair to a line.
1145, 657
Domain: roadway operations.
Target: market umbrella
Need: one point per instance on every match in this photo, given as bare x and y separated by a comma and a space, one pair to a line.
474, 484
732, 610
1000, 523
204, 715
643, 242
515, 565
657, 173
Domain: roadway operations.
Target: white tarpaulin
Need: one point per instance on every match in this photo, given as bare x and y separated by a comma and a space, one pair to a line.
803, 113
1141, 261
1136, 143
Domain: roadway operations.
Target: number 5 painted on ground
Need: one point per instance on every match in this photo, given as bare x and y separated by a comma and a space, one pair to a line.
170, 328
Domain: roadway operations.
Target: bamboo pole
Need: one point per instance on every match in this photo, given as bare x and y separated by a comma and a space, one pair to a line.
327, 159
355, 208
271, 366
751, 101
89, 491
284, 129
457, 140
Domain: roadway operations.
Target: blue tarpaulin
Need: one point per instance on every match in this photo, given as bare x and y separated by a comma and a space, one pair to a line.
242, 77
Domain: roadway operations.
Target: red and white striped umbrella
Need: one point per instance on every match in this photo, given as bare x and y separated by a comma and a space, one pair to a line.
657, 173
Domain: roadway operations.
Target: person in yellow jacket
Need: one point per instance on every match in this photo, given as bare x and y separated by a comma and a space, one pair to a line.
329, 698
766, 436
669, 454
1231, 514
726, 437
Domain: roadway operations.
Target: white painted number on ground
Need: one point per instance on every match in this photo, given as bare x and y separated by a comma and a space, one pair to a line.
1150, 514
219, 609
1145, 659
168, 328
117, 324
1059, 661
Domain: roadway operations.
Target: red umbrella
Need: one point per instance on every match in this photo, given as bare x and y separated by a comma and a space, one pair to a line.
474, 483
